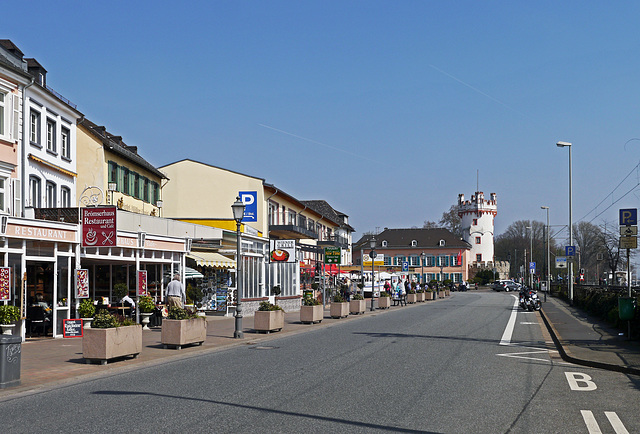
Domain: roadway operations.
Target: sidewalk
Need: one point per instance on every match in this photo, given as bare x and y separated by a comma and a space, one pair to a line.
47, 362
588, 341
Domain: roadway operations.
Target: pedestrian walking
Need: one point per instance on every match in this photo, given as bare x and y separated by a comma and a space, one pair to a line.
175, 293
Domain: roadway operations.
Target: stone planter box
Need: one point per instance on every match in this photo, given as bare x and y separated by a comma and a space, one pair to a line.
179, 332
268, 321
104, 344
420, 297
429, 295
384, 302
311, 314
412, 298
339, 310
440, 294
357, 306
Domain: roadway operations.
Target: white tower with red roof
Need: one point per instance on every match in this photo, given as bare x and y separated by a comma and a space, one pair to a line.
477, 217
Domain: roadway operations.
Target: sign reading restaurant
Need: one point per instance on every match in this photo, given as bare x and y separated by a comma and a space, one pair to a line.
98, 226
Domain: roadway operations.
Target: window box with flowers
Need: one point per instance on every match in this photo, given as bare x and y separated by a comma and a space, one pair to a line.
183, 327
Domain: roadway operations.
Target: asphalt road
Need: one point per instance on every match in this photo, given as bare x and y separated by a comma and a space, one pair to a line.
452, 366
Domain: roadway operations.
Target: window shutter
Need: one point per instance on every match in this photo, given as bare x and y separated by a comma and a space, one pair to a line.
120, 180
15, 133
17, 197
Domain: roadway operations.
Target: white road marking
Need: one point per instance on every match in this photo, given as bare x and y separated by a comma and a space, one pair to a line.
508, 331
615, 422
590, 421
529, 323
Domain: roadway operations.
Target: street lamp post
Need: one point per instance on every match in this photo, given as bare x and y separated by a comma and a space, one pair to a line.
372, 244
422, 258
568, 145
530, 255
238, 213
547, 267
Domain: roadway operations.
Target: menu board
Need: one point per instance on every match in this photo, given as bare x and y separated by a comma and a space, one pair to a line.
72, 328
82, 283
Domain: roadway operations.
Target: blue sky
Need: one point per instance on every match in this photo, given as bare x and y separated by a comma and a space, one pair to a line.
387, 110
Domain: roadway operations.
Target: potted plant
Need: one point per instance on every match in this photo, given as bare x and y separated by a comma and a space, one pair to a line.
311, 311
9, 315
357, 304
183, 327
430, 293
384, 301
147, 306
269, 317
86, 310
110, 337
420, 294
339, 307
412, 297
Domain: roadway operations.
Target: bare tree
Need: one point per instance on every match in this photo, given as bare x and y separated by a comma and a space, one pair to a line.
430, 225
511, 245
452, 221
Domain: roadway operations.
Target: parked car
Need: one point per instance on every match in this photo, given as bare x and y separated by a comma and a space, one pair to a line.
506, 285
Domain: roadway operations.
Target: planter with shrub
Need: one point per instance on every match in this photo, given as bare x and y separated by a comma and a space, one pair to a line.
384, 301
147, 306
357, 304
311, 311
9, 315
87, 310
269, 317
339, 307
183, 327
110, 337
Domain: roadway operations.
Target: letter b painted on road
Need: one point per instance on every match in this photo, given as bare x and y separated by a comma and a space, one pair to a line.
580, 382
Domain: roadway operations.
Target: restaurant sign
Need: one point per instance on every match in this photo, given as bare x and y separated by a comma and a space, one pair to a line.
282, 251
82, 283
142, 282
98, 226
332, 255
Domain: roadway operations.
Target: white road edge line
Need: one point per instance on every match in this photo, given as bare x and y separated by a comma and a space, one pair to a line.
508, 331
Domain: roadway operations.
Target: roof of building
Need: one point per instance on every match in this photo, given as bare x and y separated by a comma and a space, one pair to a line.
425, 238
117, 146
323, 207
212, 166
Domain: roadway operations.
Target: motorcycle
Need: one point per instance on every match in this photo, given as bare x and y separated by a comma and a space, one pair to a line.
529, 300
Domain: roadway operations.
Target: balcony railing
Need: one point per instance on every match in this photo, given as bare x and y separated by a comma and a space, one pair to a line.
68, 215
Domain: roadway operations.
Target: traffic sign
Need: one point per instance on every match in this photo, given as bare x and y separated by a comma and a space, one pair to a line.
332, 255
561, 262
628, 217
570, 250
532, 267
405, 265
629, 242
628, 230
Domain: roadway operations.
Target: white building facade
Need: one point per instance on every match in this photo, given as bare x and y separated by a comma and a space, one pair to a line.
477, 217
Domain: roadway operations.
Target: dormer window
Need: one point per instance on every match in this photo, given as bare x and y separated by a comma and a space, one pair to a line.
414, 243
384, 243
441, 243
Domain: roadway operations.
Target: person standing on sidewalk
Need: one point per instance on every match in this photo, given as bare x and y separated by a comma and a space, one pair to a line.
175, 293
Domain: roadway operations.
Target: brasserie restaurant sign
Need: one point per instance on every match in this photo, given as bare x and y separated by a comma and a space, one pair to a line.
99, 226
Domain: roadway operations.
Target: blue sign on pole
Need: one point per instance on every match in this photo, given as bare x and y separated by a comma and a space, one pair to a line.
405, 266
628, 217
532, 267
250, 200
570, 250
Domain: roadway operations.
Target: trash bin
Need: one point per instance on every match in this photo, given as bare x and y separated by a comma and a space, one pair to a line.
626, 308
10, 348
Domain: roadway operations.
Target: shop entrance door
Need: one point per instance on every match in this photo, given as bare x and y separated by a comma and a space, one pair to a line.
40, 282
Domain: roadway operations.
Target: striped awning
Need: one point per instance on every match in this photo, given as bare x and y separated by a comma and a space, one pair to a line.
211, 259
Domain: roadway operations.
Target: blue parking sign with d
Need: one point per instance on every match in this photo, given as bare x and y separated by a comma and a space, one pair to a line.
405, 266
570, 250
628, 217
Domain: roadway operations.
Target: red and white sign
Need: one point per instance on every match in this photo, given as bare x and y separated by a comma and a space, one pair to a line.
142, 282
99, 226
82, 283
5, 283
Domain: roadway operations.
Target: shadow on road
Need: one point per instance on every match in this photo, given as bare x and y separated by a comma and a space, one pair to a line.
268, 410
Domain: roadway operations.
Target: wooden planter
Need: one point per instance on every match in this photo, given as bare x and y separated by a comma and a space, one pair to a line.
311, 314
104, 344
412, 298
268, 321
179, 332
357, 306
384, 302
339, 310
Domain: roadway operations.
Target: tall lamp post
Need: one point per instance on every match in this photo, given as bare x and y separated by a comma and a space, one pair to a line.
568, 145
422, 258
530, 254
547, 267
372, 244
238, 213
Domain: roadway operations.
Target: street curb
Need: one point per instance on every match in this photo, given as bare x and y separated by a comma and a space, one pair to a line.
590, 363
